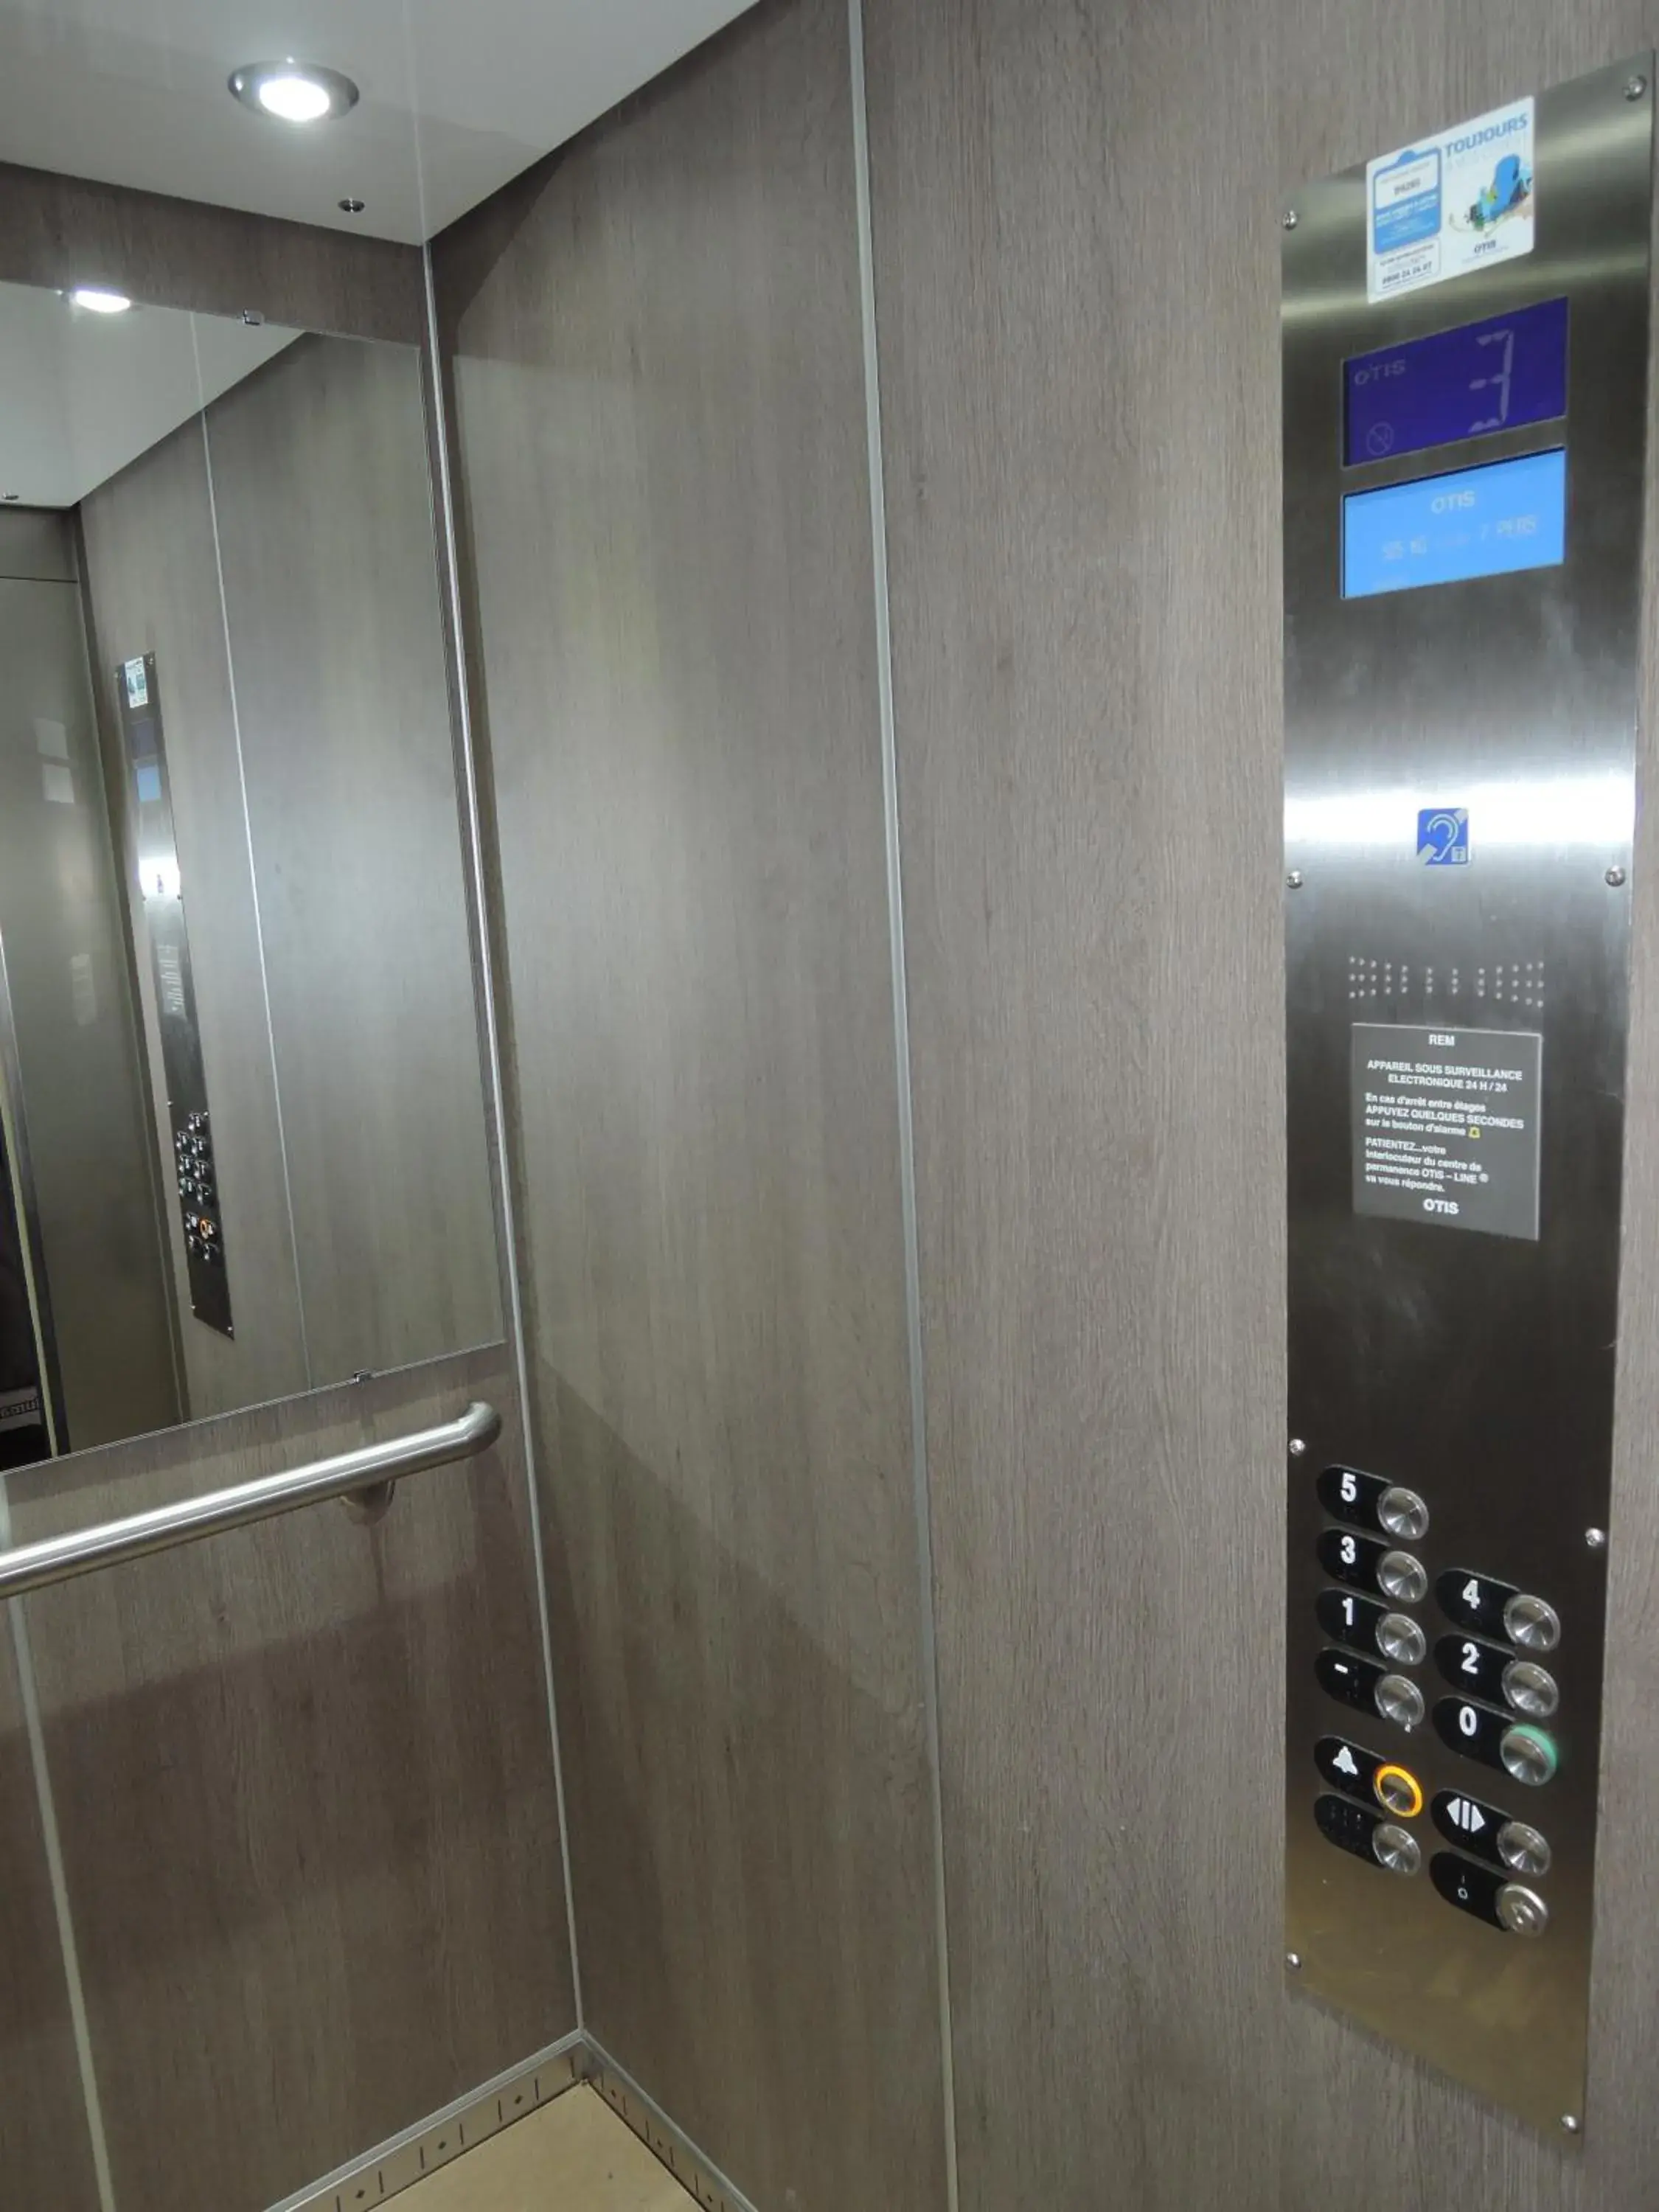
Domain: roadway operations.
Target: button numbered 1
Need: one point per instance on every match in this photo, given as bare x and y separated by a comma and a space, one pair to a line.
1364, 1626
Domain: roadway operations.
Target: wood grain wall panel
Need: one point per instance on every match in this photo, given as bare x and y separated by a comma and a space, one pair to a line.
656, 356
45, 2152
1077, 233
325, 534
153, 585
304, 1782
61, 231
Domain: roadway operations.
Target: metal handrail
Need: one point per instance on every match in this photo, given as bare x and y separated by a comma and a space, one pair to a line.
112, 1543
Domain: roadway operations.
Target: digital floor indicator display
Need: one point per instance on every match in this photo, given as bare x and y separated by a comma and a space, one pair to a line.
1465, 366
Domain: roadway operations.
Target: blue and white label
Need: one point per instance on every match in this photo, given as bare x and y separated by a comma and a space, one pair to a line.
1447, 204
1442, 836
137, 682
1489, 522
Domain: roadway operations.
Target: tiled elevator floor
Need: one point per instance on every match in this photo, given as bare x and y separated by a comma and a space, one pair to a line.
574, 2156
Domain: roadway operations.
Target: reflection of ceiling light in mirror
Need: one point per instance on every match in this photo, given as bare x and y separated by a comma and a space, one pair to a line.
97, 302
294, 92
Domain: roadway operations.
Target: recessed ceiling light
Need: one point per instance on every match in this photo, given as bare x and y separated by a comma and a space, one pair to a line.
294, 92
98, 302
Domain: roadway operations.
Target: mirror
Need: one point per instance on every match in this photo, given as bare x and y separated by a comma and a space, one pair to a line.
245, 1148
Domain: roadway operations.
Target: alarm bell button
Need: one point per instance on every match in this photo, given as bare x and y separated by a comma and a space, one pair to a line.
1400, 1790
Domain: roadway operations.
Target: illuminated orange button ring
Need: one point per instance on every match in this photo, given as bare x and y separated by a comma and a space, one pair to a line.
1414, 1787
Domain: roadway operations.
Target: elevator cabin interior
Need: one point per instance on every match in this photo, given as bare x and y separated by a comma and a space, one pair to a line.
827, 1070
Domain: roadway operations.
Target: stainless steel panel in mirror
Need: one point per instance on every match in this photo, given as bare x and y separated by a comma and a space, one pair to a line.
245, 1139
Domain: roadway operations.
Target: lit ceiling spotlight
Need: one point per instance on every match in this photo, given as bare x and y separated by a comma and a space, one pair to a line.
294, 92
97, 302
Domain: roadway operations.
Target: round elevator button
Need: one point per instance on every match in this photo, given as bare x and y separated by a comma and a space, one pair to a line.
1526, 1752
1400, 1639
1403, 1514
1403, 1577
1392, 1847
1529, 1688
1532, 1624
1522, 1912
1400, 1790
1523, 1849
1400, 1700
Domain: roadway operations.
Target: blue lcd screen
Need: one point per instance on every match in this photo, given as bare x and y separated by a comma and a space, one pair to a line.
1495, 375
1490, 521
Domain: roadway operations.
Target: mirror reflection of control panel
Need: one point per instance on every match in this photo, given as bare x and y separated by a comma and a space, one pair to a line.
198, 1190
154, 859
1465, 362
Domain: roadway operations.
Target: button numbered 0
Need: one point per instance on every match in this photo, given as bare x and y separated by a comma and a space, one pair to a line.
1524, 1753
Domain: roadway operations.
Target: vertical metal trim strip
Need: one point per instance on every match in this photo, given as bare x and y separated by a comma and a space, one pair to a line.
473, 865
902, 1055
252, 877
51, 1844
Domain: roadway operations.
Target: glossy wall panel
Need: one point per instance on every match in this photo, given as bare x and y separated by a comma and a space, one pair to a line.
1077, 229
660, 409
171, 607
304, 1785
324, 517
45, 2149
61, 231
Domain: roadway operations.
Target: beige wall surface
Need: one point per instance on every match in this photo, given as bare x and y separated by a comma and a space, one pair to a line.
309, 760
1076, 230
658, 374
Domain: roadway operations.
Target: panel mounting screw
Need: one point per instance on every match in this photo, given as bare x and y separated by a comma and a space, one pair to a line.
1293, 1960
1615, 876
1294, 880
1296, 1448
1570, 2122
1634, 88
350, 205
1289, 218
1596, 1539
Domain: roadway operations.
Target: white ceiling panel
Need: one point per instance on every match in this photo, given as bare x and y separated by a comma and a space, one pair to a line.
459, 96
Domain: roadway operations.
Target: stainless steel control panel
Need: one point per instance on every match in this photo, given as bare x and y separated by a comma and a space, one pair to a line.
1465, 405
